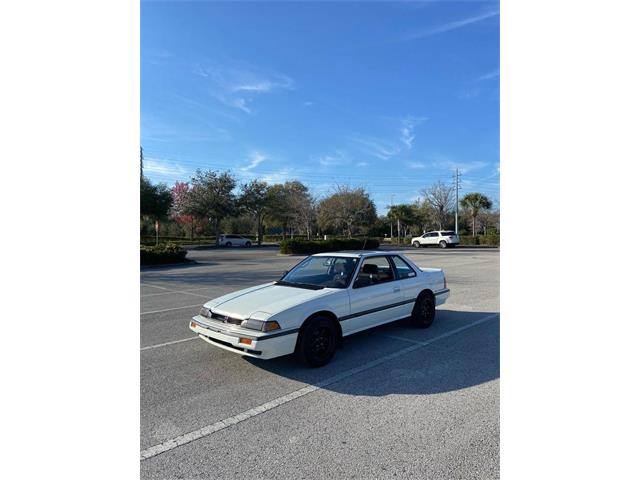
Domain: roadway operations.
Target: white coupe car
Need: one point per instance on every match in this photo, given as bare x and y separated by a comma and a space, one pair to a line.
323, 298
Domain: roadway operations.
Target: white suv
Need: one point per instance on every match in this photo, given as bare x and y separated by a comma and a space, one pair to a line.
234, 241
443, 238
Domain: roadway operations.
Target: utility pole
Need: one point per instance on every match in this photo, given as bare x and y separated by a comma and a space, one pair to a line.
457, 184
391, 223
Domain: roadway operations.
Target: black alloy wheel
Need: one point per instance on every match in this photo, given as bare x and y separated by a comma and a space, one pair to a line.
317, 342
424, 310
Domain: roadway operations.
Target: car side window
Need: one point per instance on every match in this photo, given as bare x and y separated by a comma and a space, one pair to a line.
433, 234
374, 270
403, 269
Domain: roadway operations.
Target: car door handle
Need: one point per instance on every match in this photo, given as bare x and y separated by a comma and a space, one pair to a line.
396, 289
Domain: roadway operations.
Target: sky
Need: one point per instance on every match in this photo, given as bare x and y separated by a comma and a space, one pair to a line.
390, 96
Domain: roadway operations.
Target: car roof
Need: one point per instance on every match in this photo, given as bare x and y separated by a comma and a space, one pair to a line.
356, 253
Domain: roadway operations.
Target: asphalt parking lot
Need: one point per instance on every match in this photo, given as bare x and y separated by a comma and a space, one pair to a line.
395, 402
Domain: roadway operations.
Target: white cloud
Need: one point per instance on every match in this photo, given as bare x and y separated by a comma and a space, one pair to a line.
406, 130
255, 159
488, 76
386, 148
338, 158
280, 176
446, 27
165, 168
379, 148
444, 162
237, 84
416, 165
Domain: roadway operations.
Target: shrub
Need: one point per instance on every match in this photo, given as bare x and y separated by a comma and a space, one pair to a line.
296, 245
468, 240
163, 253
491, 240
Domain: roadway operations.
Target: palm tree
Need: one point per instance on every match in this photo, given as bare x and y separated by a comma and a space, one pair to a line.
475, 203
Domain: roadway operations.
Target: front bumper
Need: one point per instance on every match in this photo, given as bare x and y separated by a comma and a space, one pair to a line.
263, 345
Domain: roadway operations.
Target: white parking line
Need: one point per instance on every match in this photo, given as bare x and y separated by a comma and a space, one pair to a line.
169, 292
396, 337
169, 309
154, 286
253, 412
174, 291
168, 343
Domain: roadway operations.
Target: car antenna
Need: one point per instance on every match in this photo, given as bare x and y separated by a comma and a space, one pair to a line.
364, 243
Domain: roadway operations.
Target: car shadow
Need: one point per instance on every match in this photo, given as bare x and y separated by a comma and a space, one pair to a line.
462, 350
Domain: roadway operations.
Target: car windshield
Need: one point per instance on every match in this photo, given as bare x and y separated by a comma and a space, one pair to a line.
321, 272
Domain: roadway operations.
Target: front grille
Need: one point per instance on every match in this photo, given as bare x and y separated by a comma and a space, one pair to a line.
225, 319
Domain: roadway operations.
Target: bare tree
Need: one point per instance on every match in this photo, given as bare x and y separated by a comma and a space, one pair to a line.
440, 199
306, 209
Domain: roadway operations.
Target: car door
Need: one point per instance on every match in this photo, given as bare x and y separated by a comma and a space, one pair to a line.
375, 296
407, 281
432, 238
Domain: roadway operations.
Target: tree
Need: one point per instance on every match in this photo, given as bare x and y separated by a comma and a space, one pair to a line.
475, 203
180, 192
439, 198
155, 200
211, 197
253, 200
347, 208
282, 201
405, 214
306, 210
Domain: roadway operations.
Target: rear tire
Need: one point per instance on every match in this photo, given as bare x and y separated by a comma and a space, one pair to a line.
443, 244
416, 244
317, 342
228, 244
424, 311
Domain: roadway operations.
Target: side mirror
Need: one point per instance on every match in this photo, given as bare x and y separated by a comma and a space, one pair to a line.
284, 274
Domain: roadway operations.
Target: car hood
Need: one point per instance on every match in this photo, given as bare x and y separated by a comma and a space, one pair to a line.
263, 300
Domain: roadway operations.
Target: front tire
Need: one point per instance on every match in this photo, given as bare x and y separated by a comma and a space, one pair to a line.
228, 244
443, 244
424, 311
248, 244
416, 244
317, 342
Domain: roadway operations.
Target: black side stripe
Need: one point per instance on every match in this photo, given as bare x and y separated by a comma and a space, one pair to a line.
374, 310
392, 305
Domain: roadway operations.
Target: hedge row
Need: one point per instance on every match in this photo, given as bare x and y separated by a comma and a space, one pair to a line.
489, 240
318, 246
163, 253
